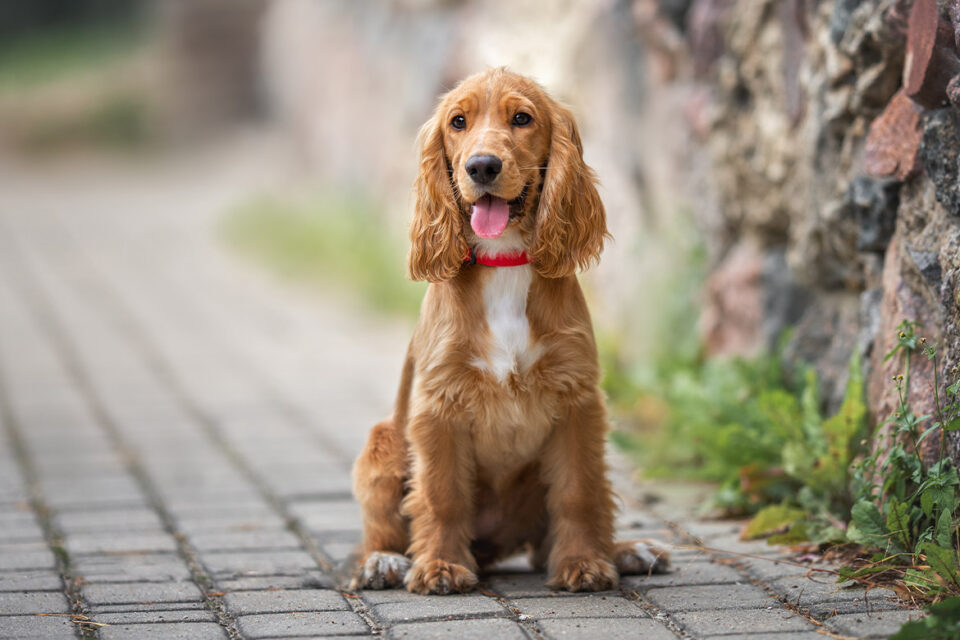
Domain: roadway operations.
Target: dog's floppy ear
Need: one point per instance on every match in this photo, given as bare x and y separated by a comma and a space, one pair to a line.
571, 222
436, 234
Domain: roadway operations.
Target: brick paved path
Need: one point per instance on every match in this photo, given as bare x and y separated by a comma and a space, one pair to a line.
176, 436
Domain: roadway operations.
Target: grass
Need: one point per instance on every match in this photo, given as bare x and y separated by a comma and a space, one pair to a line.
46, 55
330, 238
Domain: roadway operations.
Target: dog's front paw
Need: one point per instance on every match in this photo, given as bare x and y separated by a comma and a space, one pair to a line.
584, 574
381, 570
440, 577
639, 557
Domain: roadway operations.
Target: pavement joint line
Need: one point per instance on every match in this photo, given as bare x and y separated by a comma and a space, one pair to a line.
71, 586
51, 325
294, 415
168, 378
529, 623
738, 566
655, 612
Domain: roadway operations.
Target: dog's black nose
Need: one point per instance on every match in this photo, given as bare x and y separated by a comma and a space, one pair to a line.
484, 169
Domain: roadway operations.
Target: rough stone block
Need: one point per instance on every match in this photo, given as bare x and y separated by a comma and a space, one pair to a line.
34, 602
286, 625
246, 602
685, 573
483, 629
615, 629
579, 606
430, 607
36, 580
265, 563
141, 592
165, 631
700, 597
730, 621
879, 624
46, 627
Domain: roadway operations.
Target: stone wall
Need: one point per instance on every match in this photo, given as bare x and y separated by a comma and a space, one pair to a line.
834, 152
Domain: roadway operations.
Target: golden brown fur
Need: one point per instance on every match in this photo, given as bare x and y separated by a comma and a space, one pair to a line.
481, 459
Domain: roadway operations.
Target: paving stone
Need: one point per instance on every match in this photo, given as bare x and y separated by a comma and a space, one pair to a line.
245, 602
109, 520
789, 635
33, 602
732, 621
46, 627
307, 580
147, 592
425, 608
609, 629
143, 617
867, 605
245, 540
134, 567
33, 580
289, 625
272, 563
26, 556
328, 515
698, 597
776, 568
483, 629
579, 606
385, 596
804, 592
111, 542
879, 624
143, 607
522, 585
167, 631
686, 574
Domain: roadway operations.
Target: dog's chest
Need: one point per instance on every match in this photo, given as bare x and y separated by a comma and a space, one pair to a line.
510, 347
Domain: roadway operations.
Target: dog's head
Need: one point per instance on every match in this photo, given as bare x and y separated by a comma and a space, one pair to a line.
501, 168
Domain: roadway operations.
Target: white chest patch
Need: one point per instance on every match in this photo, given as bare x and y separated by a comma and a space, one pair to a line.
505, 302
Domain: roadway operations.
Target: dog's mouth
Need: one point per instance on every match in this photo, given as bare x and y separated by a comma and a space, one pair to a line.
490, 215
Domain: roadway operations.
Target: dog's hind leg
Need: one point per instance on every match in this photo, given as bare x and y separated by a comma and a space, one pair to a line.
379, 476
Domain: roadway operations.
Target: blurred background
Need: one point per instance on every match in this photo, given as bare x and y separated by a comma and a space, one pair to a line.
780, 198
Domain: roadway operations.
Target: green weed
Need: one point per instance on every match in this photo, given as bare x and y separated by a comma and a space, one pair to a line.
335, 239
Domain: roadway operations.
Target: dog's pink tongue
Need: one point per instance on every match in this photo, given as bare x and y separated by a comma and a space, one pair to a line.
490, 216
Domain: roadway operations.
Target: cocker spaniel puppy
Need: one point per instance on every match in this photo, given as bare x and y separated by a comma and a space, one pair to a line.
496, 443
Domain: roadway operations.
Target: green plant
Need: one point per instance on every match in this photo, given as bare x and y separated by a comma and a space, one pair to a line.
756, 428
942, 623
818, 459
328, 238
910, 512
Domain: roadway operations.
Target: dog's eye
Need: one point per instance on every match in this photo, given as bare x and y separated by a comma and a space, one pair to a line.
458, 122
522, 119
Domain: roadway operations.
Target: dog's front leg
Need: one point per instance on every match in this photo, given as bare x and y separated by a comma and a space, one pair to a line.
579, 500
440, 506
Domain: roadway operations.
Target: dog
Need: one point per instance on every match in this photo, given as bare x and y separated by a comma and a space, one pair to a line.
496, 442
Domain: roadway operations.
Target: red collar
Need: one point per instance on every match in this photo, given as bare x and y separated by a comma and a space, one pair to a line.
515, 259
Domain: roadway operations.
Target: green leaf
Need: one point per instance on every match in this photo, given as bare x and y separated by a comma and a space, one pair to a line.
867, 526
943, 560
898, 523
771, 519
943, 532
797, 533
952, 424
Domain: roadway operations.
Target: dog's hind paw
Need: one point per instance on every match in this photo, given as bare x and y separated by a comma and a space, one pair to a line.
639, 557
440, 578
381, 570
